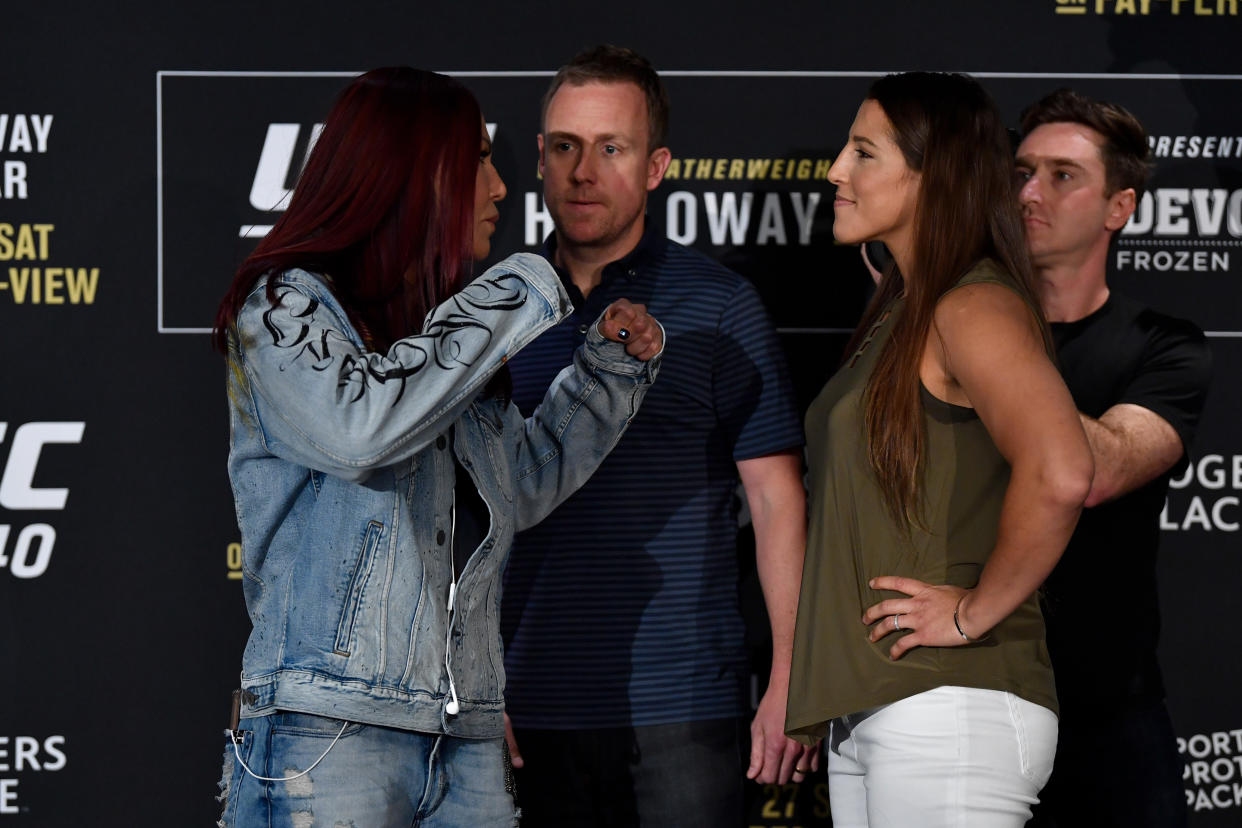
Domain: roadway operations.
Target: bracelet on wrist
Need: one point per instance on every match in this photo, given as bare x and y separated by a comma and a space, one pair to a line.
958, 623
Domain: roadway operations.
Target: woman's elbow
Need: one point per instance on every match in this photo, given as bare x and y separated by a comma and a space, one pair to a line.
1068, 480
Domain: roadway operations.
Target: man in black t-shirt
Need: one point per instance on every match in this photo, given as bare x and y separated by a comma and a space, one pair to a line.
1139, 379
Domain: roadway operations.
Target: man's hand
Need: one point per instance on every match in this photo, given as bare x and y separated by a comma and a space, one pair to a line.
775, 758
630, 324
515, 755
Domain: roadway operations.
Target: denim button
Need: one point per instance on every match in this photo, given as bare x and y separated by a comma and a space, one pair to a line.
440, 537
582, 329
441, 442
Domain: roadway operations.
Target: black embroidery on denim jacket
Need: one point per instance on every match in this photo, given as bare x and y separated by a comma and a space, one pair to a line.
455, 338
307, 312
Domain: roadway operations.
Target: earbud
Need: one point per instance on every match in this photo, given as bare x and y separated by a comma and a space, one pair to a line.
452, 707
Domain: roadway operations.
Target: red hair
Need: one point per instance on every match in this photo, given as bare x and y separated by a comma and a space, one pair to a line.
385, 206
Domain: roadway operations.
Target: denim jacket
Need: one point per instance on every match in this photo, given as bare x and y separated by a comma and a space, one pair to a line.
343, 483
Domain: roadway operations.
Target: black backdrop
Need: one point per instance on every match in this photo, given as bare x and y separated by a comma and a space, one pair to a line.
141, 143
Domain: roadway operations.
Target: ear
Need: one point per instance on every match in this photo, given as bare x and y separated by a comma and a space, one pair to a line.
539, 141
1121, 206
657, 165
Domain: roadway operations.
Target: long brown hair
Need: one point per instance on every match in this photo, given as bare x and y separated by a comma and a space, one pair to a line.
950, 132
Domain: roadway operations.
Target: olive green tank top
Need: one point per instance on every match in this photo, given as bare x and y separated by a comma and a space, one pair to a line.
852, 537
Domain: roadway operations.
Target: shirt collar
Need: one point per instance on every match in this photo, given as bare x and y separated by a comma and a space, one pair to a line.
648, 249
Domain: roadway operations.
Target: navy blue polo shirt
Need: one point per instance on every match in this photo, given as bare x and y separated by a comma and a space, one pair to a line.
621, 608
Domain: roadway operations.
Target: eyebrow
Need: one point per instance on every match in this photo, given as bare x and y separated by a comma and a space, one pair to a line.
1028, 161
611, 136
863, 139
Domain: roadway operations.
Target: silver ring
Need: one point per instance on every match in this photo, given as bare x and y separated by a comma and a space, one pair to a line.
896, 623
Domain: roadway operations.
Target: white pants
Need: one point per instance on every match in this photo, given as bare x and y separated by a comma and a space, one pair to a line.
953, 757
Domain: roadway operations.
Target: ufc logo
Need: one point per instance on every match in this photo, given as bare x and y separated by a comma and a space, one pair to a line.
268, 191
17, 490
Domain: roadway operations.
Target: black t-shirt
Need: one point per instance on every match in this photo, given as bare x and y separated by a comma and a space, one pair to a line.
1106, 581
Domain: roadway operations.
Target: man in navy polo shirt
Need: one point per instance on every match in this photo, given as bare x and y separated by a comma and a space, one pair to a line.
624, 641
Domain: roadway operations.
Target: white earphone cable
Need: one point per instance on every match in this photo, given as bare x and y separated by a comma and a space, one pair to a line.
314, 764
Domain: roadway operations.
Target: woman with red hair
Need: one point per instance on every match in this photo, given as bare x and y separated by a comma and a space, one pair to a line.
380, 471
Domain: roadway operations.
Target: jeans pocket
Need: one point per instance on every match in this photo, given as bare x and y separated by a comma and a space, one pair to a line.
1036, 729
309, 724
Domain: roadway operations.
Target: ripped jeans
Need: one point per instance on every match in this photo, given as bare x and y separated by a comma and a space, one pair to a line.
373, 777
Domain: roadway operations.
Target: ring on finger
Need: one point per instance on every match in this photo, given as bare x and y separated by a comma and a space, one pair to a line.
897, 621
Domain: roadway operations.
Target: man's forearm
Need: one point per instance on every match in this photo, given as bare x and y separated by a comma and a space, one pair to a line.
1131, 446
777, 503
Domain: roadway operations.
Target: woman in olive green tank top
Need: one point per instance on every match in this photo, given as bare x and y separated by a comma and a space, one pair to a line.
947, 471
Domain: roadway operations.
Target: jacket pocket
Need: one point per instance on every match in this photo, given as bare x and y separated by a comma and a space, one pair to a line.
497, 475
358, 580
